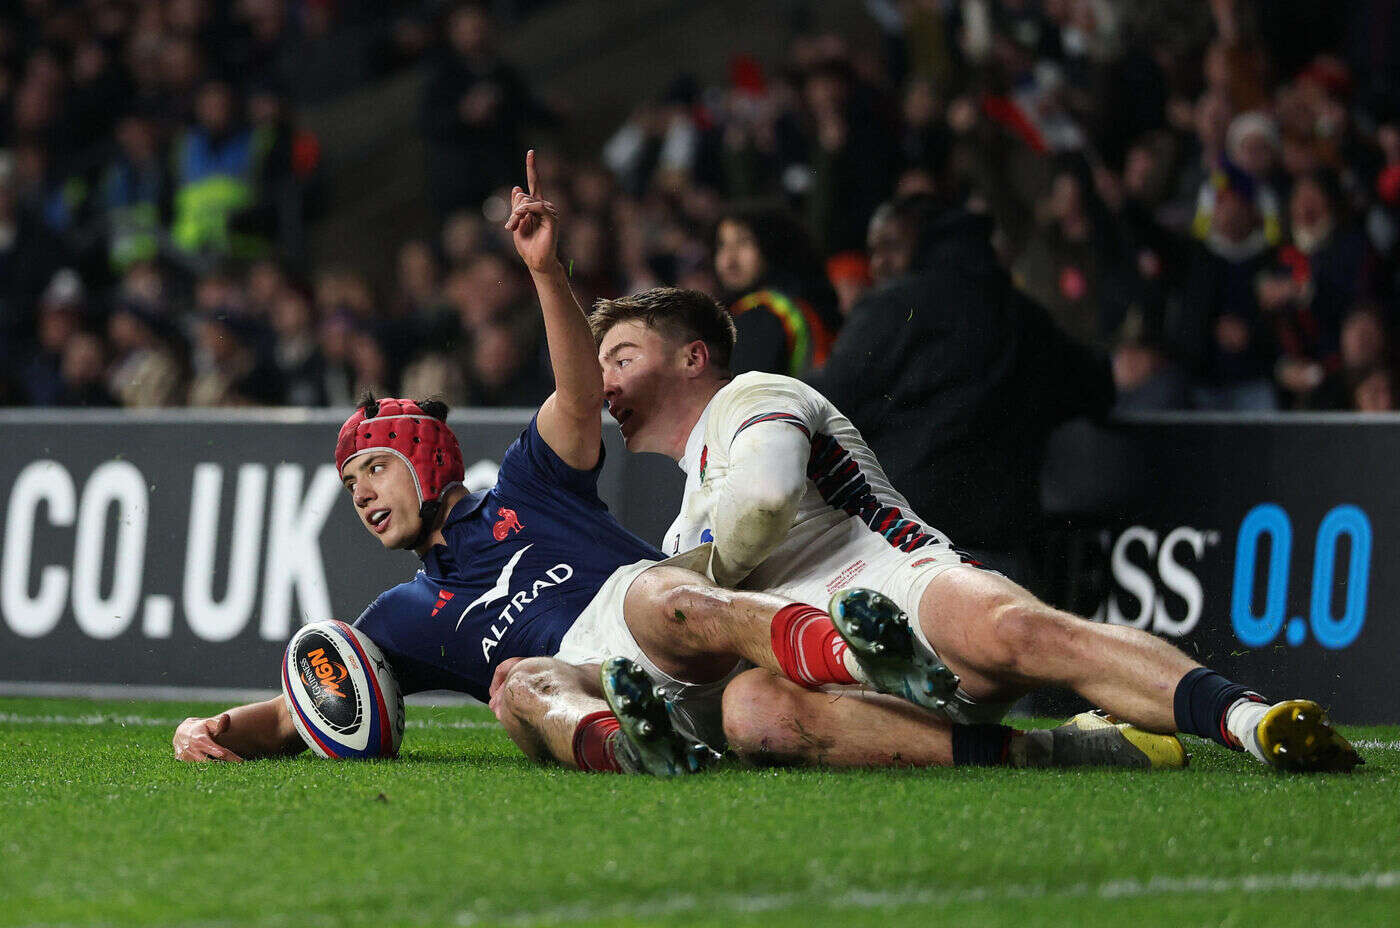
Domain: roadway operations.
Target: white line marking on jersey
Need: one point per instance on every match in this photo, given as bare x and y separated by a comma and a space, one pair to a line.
502, 587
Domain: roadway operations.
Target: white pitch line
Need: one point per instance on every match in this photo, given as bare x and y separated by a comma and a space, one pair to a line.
142, 721
857, 899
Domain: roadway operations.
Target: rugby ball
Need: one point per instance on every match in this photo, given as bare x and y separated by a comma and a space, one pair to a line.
341, 694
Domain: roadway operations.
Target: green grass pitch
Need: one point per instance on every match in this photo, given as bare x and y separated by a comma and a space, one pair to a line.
99, 825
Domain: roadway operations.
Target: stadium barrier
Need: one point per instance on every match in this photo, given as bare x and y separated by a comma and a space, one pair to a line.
177, 552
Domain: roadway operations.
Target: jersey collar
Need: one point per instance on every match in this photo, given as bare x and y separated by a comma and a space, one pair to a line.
437, 562
465, 507
696, 441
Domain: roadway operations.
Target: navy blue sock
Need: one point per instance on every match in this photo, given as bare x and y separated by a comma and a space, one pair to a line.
1202, 699
981, 745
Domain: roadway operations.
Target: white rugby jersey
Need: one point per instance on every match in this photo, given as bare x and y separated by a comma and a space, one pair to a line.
848, 518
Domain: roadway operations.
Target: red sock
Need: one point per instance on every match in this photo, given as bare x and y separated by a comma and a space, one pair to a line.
808, 647
593, 743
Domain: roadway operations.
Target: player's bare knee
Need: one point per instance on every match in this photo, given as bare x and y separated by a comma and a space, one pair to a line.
762, 716
526, 692
694, 601
1024, 632
661, 591
1017, 632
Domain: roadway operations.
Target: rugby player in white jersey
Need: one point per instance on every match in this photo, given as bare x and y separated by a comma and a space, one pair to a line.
790, 499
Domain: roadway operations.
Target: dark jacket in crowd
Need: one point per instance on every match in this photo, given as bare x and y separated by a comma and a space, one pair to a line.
467, 161
956, 379
1214, 287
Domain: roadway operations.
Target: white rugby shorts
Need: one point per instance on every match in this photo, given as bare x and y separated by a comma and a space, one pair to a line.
902, 576
601, 632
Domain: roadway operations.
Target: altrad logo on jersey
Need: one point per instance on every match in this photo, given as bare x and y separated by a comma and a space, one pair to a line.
554, 576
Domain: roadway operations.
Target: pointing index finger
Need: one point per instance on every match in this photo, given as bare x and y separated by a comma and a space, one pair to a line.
531, 177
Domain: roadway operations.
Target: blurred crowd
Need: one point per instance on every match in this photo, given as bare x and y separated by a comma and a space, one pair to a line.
1205, 192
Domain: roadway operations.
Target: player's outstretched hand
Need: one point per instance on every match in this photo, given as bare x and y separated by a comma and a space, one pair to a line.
534, 222
498, 680
194, 740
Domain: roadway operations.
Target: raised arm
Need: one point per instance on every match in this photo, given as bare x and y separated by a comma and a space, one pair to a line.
260, 729
570, 421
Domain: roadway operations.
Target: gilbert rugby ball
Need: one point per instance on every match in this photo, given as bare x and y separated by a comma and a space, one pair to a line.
342, 696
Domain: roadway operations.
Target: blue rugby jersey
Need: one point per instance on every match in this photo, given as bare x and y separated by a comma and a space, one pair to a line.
522, 560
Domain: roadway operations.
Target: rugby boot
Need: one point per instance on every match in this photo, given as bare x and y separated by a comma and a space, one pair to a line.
1296, 736
1091, 739
649, 742
890, 656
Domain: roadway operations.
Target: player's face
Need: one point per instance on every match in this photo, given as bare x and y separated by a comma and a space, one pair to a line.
640, 369
386, 503
738, 261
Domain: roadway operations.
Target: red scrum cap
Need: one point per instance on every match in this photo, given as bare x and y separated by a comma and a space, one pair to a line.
402, 428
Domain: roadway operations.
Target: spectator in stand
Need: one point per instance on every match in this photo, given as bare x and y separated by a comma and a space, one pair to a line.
504, 367
230, 368
483, 291
926, 139
1217, 327
663, 144
417, 273
1202, 138
849, 273
1252, 136
217, 165
589, 251
148, 364
333, 339
297, 354
84, 361
182, 68
955, 379
851, 153
1376, 391
463, 235
95, 97
1317, 278
61, 318
1060, 267
29, 257
1365, 347
288, 159
475, 107
776, 288
135, 196
262, 285
1144, 374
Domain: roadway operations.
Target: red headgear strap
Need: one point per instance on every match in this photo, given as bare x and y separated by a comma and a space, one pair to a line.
401, 427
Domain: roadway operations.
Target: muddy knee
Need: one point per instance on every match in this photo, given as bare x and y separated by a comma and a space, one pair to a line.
525, 694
